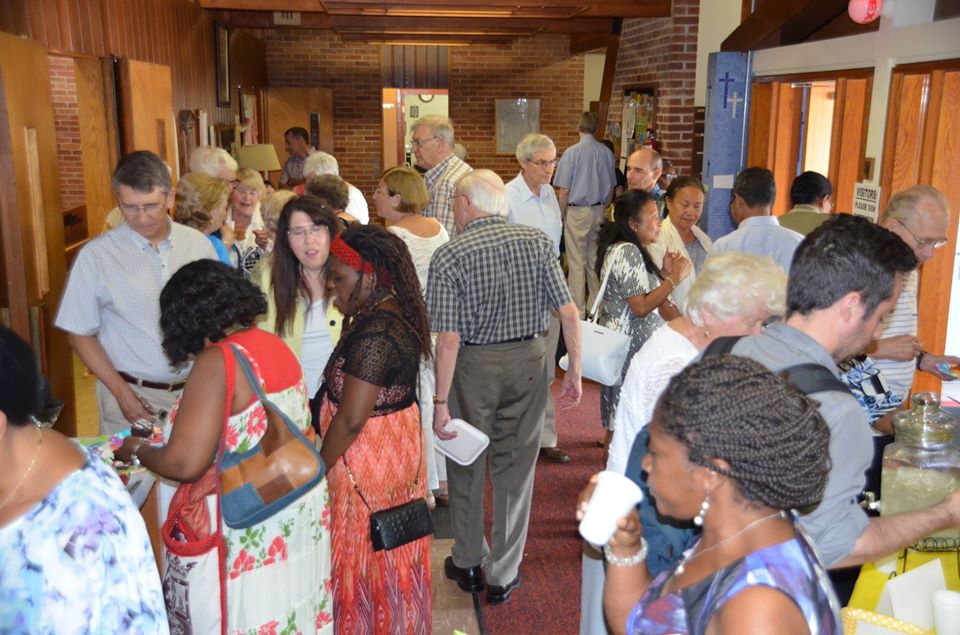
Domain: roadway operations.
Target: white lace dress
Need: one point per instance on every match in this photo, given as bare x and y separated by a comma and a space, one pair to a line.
421, 250
664, 355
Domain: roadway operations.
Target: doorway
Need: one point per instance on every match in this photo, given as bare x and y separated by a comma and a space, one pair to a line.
814, 122
401, 107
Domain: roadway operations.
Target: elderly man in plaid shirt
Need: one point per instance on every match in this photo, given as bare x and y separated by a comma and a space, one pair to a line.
432, 141
490, 293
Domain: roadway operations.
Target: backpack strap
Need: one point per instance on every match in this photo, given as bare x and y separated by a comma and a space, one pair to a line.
721, 346
813, 378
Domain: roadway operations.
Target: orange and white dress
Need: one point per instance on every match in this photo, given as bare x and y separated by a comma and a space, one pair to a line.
378, 591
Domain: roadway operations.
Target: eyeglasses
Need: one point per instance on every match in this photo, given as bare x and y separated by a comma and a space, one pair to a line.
416, 143
934, 243
301, 233
544, 164
149, 208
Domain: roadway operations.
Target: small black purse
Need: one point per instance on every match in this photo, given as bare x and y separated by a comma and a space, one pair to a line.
397, 526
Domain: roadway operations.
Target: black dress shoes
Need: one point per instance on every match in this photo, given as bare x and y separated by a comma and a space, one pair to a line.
469, 580
497, 594
554, 455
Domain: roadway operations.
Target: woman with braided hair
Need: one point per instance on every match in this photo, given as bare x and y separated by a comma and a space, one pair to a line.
738, 450
372, 440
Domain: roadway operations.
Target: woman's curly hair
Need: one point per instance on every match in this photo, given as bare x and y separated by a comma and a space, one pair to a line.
202, 301
734, 409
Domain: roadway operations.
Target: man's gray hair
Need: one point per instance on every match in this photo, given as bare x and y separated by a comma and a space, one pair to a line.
440, 127
209, 160
735, 284
532, 144
904, 205
142, 171
486, 192
320, 163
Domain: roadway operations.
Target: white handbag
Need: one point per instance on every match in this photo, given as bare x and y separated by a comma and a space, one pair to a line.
603, 351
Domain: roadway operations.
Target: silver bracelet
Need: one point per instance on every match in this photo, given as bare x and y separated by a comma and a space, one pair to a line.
134, 459
629, 561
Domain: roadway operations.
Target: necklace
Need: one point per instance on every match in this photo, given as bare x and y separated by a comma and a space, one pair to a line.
23, 479
688, 555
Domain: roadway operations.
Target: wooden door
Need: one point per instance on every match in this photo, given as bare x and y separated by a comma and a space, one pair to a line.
776, 108
31, 223
774, 142
289, 107
98, 137
920, 146
146, 109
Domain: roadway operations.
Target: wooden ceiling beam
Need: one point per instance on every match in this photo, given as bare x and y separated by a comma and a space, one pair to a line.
264, 20
763, 23
428, 39
532, 8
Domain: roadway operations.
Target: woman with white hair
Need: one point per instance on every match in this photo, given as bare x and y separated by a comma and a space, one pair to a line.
320, 163
734, 294
215, 162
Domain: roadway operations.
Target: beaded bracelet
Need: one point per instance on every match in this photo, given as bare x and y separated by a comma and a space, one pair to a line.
629, 561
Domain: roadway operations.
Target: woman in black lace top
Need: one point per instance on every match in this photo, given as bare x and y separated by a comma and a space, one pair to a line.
372, 439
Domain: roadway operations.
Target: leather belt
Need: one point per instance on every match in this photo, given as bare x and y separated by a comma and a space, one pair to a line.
525, 338
156, 385
591, 205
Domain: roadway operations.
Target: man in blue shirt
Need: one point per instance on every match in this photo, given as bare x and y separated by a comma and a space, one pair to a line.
585, 180
758, 233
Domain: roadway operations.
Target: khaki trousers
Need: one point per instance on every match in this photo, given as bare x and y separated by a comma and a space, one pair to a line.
549, 437
580, 231
500, 389
112, 420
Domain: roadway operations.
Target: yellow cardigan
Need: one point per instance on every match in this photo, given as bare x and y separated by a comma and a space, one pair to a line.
268, 321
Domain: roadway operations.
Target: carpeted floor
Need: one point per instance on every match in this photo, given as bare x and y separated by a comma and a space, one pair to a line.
548, 600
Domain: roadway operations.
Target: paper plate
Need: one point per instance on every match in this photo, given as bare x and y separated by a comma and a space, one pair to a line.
466, 446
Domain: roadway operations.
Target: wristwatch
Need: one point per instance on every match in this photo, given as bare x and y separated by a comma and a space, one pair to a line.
437, 401
134, 459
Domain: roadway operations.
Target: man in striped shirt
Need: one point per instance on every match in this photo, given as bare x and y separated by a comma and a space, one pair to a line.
919, 215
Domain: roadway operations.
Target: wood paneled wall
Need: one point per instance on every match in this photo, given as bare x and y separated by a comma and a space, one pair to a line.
176, 33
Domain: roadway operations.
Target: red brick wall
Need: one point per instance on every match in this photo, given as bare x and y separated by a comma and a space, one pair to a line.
539, 67
663, 52
66, 119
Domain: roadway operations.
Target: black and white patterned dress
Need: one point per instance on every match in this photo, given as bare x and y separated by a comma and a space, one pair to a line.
628, 277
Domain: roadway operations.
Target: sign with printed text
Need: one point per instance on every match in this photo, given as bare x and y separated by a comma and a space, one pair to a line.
866, 200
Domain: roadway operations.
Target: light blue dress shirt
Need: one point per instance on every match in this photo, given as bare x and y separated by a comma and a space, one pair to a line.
586, 170
762, 236
540, 211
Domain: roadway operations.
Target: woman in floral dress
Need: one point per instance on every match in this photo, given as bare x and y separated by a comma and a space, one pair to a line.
278, 571
372, 439
636, 299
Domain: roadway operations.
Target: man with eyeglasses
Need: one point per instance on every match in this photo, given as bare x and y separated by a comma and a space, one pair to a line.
533, 203
432, 142
920, 216
111, 304
585, 180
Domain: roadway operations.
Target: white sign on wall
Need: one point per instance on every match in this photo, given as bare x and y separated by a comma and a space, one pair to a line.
866, 200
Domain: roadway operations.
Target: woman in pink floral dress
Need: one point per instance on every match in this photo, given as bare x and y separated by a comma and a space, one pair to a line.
278, 571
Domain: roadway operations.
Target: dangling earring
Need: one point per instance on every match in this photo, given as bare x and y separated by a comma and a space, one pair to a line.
704, 506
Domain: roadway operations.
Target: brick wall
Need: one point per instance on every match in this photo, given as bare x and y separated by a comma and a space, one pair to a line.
662, 52
66, 119
539, 67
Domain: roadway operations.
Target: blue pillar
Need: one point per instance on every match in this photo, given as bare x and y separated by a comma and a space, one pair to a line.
725, 138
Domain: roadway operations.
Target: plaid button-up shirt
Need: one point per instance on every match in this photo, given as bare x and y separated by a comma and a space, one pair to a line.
441, 181
495, 282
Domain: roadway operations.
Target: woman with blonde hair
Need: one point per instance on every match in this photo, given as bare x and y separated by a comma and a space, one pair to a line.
244, 218
270, 209
400, 198
201, 203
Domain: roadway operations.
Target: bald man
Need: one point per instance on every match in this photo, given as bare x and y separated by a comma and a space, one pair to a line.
644, 169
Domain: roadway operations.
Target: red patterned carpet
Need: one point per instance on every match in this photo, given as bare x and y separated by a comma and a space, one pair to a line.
548, 600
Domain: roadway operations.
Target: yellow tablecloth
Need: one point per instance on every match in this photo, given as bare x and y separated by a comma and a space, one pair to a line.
866, 594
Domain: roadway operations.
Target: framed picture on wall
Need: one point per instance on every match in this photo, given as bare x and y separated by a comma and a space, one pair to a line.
222, 36
515, 119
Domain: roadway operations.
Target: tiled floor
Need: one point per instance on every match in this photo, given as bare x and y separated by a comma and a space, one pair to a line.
452, 608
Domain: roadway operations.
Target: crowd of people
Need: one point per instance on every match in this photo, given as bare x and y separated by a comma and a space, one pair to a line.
371, 340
